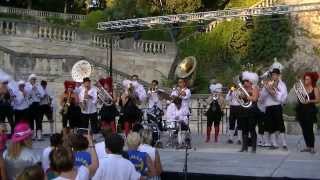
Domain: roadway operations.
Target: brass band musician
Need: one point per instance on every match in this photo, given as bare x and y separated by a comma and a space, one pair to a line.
69, 102
183, 92
88, 104
6, 99
273, 96
35, 93
108, 111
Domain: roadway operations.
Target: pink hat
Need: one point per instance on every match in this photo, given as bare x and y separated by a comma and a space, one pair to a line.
22, 132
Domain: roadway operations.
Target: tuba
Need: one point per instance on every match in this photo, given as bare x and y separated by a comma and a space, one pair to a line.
301, 92
241, 94
186, 69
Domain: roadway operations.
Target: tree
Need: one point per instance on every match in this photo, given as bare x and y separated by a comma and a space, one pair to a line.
182, 6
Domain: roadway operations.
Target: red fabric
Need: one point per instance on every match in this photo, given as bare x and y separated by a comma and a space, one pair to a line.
127, 127
314, 77
69, 84
111, 124
107, 81
216, 133
208, 134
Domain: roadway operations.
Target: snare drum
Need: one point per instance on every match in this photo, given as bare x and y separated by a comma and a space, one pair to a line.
171, 125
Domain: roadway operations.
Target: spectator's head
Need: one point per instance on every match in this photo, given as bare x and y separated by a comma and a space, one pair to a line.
106, 132
3, 128
61, 159
21, 138
34, 172
66, 137
146, 136
56, 140
133, 141
44, 84
79, 142
114, 144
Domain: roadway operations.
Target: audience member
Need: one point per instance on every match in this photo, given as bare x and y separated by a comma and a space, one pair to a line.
141, 160
101, 146
145, 146
3, 137
20, 153
3, 174
34, 172
80, 145
62, 161
55, 141
114, 166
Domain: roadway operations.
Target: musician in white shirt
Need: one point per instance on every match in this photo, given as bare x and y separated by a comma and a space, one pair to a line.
21, 103
233, 116
35, 93
88, 100
273, 96
139, 89
183, 92
177, 114
46, 108
153, 97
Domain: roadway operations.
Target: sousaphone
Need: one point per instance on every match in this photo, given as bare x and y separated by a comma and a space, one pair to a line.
186, 69
80, 70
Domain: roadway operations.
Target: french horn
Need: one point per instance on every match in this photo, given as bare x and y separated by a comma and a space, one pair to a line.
241, 95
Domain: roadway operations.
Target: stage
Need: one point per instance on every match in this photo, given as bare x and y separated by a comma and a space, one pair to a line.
222, 161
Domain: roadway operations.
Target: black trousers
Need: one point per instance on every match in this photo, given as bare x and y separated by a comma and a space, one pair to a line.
21, 115
7, 112
261, 122
233, 117
35, 116
216, 123
307, 131
274, 119
73, 117
46, 110
93, 119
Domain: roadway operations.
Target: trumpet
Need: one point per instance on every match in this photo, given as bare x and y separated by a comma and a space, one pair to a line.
241, 95
301, 92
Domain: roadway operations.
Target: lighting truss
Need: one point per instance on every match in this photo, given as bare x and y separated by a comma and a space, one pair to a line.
149, 22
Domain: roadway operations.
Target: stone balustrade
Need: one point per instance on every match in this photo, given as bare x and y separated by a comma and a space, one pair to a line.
65, 34
150, 47
41, 14
7, 27
56, 33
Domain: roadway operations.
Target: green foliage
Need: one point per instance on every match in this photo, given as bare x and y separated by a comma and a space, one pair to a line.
222, 52
156, 35
182, 6
93, 18
241, 3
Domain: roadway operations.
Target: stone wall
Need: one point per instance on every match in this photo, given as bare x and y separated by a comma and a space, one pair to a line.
148, 59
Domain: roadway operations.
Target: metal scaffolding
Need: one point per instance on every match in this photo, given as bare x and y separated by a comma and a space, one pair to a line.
149, 22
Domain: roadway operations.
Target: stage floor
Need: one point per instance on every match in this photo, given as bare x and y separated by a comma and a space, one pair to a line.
224, 159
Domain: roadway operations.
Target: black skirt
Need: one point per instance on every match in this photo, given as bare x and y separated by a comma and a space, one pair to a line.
109, 113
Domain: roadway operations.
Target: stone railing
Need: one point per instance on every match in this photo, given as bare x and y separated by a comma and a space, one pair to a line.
59, 33
41, 14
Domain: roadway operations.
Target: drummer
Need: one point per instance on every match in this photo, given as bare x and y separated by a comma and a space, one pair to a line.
178, 115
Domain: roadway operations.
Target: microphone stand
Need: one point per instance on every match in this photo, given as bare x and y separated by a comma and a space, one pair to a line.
185, 168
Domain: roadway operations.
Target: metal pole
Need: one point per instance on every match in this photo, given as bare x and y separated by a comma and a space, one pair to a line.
110, 60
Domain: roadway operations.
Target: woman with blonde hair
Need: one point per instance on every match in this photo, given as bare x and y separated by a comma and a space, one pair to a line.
20, 154
141, 160
145, 146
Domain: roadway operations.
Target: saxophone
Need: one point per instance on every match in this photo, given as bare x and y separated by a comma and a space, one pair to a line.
84, 104
66, 105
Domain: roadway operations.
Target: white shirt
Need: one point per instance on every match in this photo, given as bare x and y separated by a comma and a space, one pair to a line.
153, 100
185, 99
173, 112
91, 102
115, 167
35, 95
231, 99
82, 174
47, 97
45, 162
151, 151
140, 91
20, 102
101, 150
279, 98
